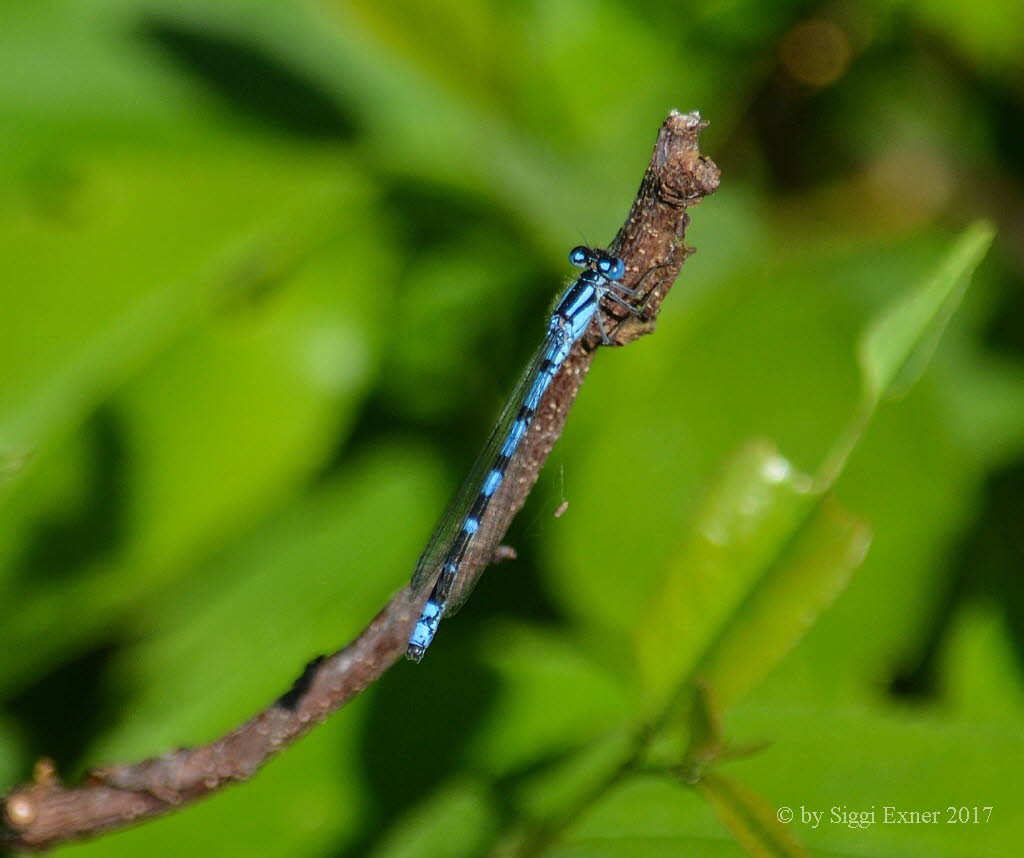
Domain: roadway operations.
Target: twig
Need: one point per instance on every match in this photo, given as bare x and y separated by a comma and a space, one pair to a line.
46, 812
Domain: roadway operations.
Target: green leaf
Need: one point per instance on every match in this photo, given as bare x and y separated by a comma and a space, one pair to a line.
749, 818
456, 821
745, 521
149, 244
810, 572
555, 790
898, 344
856, 759
531, 668
646, 815
245, 396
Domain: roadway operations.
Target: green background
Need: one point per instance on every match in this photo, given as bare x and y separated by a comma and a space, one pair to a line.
266, 271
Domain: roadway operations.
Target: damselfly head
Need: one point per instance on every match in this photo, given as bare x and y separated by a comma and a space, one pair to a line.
611, 266
580, 256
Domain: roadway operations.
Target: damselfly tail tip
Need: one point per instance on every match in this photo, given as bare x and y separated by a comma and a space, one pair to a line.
414, 652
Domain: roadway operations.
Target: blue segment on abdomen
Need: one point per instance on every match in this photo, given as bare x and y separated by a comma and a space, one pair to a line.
493, 480
514, 437
426, 628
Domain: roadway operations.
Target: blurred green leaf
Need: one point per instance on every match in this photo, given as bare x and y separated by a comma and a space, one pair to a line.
745, 522
862, 758
707, 744
898, 344
750, 819
645, 815
532, 668
12, 757
801, 582
555, 790
991, 33
232, 414
457, 821
91, 296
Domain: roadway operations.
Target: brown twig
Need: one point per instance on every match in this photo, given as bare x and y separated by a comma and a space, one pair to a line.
47, 812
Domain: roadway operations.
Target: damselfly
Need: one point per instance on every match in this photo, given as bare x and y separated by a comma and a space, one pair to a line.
466, 531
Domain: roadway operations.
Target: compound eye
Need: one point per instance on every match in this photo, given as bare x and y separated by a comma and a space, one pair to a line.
611, 267
579, 256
